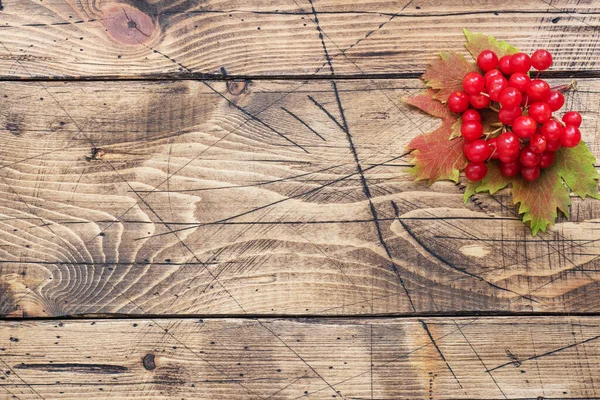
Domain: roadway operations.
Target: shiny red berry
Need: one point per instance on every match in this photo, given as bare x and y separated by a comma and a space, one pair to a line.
476, 171
530, 173
552, 130
508, 115
547, 159
494, 73
519, 81
504, 65
524, 127
508, 143
541, 60
540, 112
458, 102
555, 100
537, 143
487, 60
508, 158
479, 101
497, 85
471, 130
528, 158
552, 145
538, 90
572, 118
510, 97
510, 168
520, 62
473, 83
571, 136
478, 151
471, 115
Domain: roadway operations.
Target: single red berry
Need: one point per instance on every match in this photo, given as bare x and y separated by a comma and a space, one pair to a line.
508, 115
510, 168
494, 73
479, 101
572, 118
540, 112
537, 143
492, 144
510, 97
555, 100
476, 171
504, 65
547, 159
473, 83
471, 115
538, 90
530, 173
487, 60
520, 62
528, 158
519, 81
508, 143
458, 102
471, 130
552, 145
497, 85
478, 151
571, 136
524, 127
541, 60
552, 130
509, 158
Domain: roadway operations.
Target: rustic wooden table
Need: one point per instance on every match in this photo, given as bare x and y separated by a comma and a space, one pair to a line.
209, 200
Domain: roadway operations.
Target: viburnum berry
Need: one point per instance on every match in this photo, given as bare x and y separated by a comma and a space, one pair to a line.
520, 62
510, 168
497, 85
519, 81
471, 130
458, 102
504, 65
555, 100
508, 115
509, 158
552, 130
537, 143
572, 118
552, 145
530, 173
571, 136
493, 73
541, 60
540, 112
477, 151
524, 127
547, 159
476, 171
510, 97
528, 158
471, 115
479, 101
508, 143
492, 145
487, 60
538, 90
473, 83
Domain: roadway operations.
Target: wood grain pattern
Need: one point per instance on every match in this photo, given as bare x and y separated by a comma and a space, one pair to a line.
432, 358
141, 38
278, 197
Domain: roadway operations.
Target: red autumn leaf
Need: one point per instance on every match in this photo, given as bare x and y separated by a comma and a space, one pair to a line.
446, 74
435, 156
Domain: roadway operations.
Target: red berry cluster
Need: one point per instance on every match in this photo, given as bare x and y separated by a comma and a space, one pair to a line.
529, 134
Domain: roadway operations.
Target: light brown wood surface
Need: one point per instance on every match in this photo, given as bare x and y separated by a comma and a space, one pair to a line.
182, 198
431, 358
68, 38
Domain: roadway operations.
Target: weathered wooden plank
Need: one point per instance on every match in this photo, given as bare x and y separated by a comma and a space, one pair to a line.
181, 197
64, 38
432, 358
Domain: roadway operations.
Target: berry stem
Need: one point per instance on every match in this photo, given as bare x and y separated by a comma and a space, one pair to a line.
565, 88
484, 94
560, 122
493, 108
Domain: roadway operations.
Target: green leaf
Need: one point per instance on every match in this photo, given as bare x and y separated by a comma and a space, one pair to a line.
456, 129
493, 182
477, 42
576, 167
434, 156
445, 74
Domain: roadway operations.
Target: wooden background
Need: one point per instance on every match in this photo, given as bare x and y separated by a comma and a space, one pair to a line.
210, 200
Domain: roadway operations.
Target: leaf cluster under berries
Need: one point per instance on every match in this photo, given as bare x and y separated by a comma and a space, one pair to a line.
498, 126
